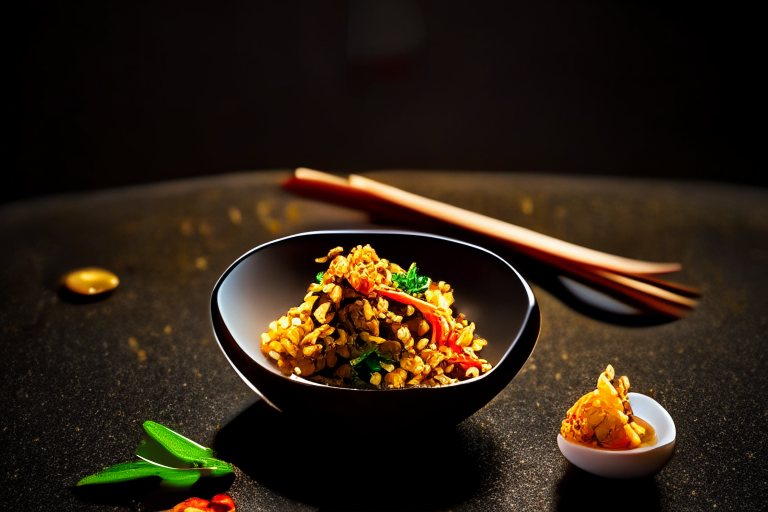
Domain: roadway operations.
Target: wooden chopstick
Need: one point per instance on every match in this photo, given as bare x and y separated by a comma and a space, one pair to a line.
509, 232
631, 278
617, 282
647, 299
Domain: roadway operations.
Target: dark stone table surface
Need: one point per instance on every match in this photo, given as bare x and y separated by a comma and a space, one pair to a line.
80, 376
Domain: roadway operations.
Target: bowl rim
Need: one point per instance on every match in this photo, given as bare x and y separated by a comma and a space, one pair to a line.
214, 311
580, 448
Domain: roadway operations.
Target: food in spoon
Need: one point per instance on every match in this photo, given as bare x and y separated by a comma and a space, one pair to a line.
91, 281
603, 418
368, 323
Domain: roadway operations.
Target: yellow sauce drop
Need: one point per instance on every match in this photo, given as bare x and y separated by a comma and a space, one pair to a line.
647, 439
91, 281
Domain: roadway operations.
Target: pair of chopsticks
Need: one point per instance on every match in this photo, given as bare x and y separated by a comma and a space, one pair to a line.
633, 281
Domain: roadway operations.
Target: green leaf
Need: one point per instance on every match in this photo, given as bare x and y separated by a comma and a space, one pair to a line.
217, 467
372, 362
319, 277
356, 361
142, 469
386, 360
411, 282
183, 448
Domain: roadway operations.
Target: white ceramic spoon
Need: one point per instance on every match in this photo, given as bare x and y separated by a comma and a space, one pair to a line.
636, 463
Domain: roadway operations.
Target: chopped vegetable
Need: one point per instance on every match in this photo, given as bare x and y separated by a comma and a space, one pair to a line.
142, 469
193, 459
219, 503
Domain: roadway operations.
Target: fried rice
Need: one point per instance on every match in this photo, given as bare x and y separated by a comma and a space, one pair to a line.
368, 323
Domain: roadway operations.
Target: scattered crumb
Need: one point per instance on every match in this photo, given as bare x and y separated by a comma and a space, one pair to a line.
134, 344
564, 356
186, 227
558, 376
235, 216
273, 226
292, 211
264, 213
167, 329
526, 205
263, 209
204, 228
201, 263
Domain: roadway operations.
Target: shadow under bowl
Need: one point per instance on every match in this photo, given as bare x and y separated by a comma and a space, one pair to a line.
267, 281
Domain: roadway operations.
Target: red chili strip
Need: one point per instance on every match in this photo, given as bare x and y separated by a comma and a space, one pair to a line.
219, 503
465, 361
423, 306
439, 326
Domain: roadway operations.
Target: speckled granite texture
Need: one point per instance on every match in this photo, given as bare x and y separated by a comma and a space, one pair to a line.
82, 375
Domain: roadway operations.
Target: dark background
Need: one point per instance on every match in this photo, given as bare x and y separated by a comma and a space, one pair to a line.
107, 94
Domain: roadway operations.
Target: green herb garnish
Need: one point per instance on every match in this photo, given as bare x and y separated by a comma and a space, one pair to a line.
359, 359
319, 277
364, 365
178, 461
411, 282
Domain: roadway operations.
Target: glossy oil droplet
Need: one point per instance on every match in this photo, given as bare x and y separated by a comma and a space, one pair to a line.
91, 281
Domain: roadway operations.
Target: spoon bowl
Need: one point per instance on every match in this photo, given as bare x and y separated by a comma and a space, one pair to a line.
265, 282
623, 464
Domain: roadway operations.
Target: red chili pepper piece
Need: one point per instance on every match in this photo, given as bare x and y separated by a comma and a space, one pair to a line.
439, 326
465, 361
438, 323
452, 339
219, 507
423, 306
219, 503
191, 505
224, 500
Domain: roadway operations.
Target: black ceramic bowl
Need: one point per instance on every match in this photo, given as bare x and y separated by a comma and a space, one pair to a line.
265, 282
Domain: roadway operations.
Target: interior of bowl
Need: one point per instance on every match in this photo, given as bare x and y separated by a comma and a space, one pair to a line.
651, 411
264, 283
